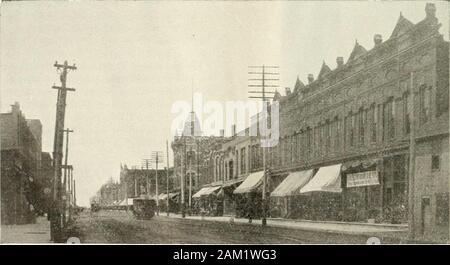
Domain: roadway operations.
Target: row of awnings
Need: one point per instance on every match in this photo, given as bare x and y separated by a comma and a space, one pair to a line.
326, 179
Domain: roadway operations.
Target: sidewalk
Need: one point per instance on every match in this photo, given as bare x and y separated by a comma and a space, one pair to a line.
38, 233
397, 231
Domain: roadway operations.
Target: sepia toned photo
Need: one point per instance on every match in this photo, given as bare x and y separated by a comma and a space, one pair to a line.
224, 122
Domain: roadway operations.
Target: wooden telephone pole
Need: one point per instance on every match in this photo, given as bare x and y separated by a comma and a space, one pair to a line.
147, 162
167, 176
262, 83
66, 171
157, 158
56, 216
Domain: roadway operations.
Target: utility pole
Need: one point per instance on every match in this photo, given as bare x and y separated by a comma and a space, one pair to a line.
167, 176
146, 162
263, 85
70, 188
56, 225
156, 158
183, 180
74, 194
66, 170
412, 160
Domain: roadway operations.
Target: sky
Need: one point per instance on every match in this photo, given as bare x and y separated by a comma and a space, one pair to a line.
135, 59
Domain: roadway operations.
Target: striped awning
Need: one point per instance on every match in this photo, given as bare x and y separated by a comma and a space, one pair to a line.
205, 191
292, 184
327, 179
251, 183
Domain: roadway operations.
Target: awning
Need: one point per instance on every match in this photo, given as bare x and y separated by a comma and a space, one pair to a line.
232, 182
199, 193
173, 194
327, 179
211, 190
292, 184
124, 201
205, 191
162, 196
250, 183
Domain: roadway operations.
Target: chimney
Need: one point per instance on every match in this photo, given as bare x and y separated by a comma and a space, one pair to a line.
222, 133
16, 107
340, 61
310, 78
430, 10
377, 39
233, 130
288, 91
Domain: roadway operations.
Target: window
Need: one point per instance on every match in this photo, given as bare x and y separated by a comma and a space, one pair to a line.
327, 136
388, 119
237, 162
243, 166
406, 113
352, 128
338, 133
373, 117
361, 125
424, 92
345, 132
380, 123
435, 163
308, 141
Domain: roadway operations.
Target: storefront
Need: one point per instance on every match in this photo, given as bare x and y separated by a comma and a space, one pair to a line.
286, 200
173, 202
362, 191
207, 202
229, 198
248, 201
324, 192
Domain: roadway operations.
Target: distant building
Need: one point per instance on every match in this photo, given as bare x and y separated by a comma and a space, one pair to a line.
137, 182
192, 153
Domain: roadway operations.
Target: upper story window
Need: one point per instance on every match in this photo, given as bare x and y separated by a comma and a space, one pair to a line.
435, 163
243, 160
406, 113
361, 125
352, 129
424, 99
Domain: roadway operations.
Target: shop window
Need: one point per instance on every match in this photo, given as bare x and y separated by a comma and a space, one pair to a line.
435, 162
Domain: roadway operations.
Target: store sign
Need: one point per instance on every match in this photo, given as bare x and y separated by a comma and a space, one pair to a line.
361, 179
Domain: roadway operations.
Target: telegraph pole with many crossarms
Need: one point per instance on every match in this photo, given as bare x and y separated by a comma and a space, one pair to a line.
263, 85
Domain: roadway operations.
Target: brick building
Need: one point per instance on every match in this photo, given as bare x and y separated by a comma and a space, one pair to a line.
192, 156
359, 115
350, 130
20, 166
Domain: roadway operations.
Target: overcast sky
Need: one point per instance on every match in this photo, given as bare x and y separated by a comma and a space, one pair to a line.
135, 59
